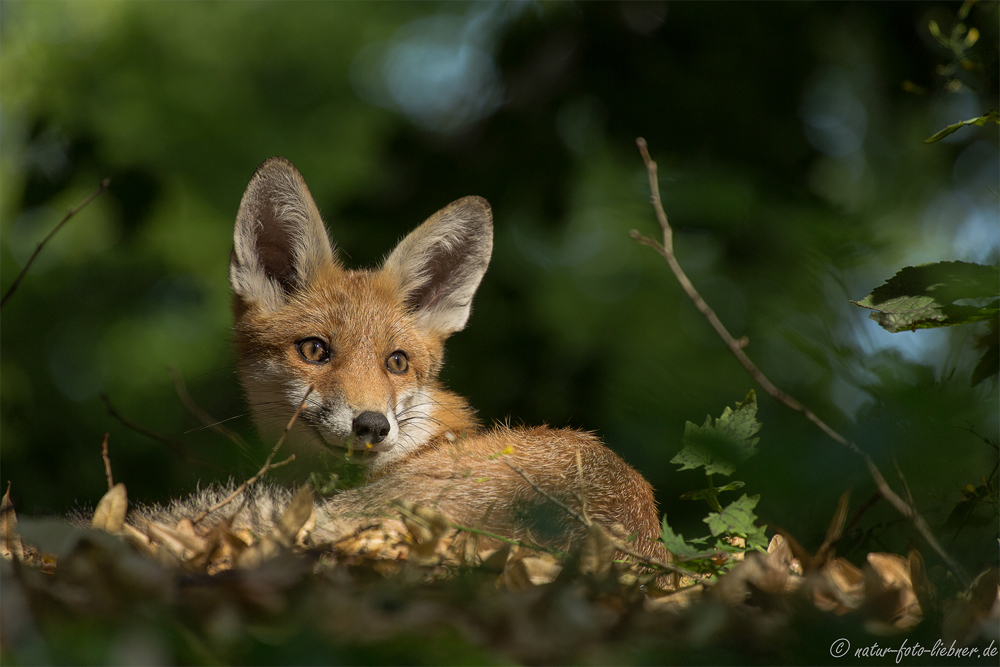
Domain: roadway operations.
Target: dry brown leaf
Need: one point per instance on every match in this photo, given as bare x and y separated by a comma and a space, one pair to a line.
780, 553
765, 572
285, 533
427, 529
139, 539
297, 514
675, 600
495, 559
833, 532
110, 513
922, 587
304, 537
527, 568
597, 554
976, 611
385, 540
541, 570
178, 543
889, 596
10, 541
839, 587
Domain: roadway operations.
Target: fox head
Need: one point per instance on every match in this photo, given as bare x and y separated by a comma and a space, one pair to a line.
366, 345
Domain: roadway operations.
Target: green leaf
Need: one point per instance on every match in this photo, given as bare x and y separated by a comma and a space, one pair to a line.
757, 538
674, 542
926, 296
951, 129
737, 518
718, 446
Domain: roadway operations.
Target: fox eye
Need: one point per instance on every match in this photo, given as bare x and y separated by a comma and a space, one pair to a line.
397, 362
314, 350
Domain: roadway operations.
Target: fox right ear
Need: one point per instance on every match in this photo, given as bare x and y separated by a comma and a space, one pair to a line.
279, 241
439, 264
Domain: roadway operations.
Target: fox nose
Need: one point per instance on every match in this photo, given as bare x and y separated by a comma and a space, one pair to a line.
371, 427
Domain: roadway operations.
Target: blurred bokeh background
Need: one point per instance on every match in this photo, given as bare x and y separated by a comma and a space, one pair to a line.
790, 139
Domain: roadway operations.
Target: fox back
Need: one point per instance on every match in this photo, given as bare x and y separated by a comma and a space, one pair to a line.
360, 353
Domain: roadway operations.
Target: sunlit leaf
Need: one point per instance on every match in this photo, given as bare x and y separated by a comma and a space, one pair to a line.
110, 513
737, 517
10, 541
720, 445
926, 296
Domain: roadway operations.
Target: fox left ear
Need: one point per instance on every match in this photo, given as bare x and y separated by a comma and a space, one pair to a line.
279, 241
439, 265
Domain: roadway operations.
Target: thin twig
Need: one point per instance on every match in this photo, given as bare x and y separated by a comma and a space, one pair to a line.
573, 514
736, 347
241, 488
178, 448
107, 461
266, 467
902, 480
200, 414
868, 504
73, 211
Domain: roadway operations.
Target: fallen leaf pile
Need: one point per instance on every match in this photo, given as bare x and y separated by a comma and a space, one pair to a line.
415, 589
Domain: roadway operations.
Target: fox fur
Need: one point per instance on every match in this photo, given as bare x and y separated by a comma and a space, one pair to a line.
367, 346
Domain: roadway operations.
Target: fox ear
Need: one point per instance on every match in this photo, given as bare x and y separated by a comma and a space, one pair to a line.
279, 241
438, 266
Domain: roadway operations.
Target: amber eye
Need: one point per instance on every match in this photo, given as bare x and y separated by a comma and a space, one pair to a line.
397, 362
314, 350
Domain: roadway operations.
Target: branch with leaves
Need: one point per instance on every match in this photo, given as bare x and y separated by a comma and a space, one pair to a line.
666, 250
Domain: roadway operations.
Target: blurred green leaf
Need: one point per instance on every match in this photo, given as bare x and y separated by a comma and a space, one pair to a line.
989, 363
993, 116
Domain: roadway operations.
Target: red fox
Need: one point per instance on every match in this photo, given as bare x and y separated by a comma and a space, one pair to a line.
367, 347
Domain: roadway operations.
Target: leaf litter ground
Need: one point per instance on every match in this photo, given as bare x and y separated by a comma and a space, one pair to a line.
414, 590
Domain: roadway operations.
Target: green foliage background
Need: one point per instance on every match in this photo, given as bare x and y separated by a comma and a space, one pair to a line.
792, 164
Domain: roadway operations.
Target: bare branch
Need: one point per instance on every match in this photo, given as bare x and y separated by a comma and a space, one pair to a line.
241, 488
736, 347
107, 461
73, 211
573, 514
178, 448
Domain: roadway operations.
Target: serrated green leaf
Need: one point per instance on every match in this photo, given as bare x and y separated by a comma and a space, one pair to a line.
757, 538
926, 296
674, 542
737, 517
720, 445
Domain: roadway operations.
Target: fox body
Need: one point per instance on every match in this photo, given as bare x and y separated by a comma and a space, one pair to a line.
360, 352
